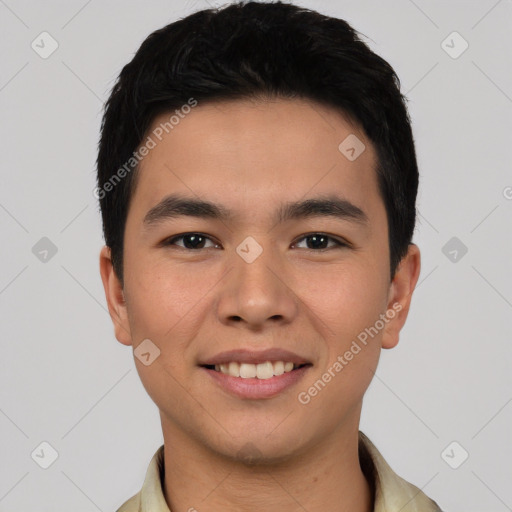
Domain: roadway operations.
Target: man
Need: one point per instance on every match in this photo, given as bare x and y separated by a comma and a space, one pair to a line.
257, 179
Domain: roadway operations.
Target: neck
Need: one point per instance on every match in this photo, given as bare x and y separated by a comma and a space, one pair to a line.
326, 477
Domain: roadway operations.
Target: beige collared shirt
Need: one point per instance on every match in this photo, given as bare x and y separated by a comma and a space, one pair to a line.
392, 493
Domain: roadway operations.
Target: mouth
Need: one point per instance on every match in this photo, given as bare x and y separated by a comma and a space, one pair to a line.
250, 381
251, 375
261, 371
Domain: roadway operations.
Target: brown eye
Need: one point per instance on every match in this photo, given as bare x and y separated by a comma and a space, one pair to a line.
319, 241
191, 241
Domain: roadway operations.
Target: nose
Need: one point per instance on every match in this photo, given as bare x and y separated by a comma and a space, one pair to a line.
257, 293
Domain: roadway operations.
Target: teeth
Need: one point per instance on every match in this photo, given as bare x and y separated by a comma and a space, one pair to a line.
278, 368
265, 370
234, 369
247, 371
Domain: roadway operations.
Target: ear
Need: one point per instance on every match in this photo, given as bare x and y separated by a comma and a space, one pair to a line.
400, 295
115, 297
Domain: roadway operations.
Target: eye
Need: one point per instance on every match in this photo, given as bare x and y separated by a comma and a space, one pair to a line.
318, 241
197, 241
190, 241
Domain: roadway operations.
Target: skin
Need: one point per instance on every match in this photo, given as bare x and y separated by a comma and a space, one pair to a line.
194, 303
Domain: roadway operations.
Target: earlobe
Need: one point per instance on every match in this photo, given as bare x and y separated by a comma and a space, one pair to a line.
115, 297
400, 295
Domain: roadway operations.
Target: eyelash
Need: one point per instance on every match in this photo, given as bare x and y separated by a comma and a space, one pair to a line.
339, 243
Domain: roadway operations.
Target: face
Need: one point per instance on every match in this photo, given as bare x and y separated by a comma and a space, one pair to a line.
290, 256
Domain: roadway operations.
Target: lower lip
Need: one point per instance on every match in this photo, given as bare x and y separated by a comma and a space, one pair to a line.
257, 388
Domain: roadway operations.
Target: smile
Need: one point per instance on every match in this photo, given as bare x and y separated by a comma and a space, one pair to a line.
256, 381
263, 371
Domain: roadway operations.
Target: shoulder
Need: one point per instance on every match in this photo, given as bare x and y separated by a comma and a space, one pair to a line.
150, 498
392, 493
131, 505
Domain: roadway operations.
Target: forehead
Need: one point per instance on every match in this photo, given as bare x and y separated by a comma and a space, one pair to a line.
250, 153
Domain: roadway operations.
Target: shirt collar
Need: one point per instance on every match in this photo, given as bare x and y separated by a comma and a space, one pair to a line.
391, 493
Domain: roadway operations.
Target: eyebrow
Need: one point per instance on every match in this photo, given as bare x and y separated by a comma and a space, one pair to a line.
175, 205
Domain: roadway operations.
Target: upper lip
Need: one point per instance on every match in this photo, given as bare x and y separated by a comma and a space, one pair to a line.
254, 357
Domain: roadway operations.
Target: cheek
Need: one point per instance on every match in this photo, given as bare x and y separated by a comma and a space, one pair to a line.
347, 299
164, 305
347, 303
161, 295
152, 304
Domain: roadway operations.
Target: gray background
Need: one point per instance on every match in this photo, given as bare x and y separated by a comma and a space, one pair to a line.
65, 379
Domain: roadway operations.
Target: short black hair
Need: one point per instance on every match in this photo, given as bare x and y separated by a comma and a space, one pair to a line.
257, 50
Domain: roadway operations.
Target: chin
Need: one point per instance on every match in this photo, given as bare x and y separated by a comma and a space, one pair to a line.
253, 454
263, 449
